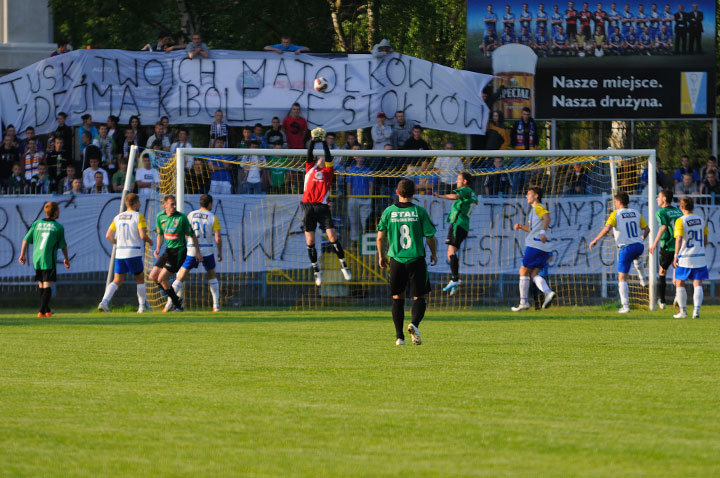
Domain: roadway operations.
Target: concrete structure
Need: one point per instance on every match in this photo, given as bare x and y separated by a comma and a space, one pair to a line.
26, 33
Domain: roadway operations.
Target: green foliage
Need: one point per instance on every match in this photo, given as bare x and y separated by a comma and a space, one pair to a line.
563, 392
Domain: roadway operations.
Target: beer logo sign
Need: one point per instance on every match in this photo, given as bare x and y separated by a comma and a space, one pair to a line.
514, 91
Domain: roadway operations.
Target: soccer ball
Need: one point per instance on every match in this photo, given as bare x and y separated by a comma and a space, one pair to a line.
320, 84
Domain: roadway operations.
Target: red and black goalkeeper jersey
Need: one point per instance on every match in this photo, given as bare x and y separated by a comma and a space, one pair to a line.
585, 17
318, 182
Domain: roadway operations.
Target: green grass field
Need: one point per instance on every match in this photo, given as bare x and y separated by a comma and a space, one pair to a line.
558, 392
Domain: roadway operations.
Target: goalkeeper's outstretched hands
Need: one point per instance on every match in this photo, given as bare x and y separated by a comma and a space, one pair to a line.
318, 134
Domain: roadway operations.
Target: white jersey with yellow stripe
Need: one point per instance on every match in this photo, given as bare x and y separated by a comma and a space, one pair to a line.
127, 226
693, 230
629, 226
204, 223
535, 220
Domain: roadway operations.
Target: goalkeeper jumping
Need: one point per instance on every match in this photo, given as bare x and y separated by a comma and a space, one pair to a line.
316, 209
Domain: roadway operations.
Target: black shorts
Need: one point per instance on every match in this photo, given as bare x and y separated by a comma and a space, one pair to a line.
413, 275
172, 259
315, 213
666, 258
456, 235
46, 275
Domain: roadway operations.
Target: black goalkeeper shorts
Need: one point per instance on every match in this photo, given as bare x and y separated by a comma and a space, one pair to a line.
409, 275
316, 213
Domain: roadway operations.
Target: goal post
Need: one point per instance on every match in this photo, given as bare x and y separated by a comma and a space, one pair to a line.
265, 259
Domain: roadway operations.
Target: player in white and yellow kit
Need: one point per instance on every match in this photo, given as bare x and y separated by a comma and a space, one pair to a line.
128, 232
690, 261
537, 250
206, 227
628, 224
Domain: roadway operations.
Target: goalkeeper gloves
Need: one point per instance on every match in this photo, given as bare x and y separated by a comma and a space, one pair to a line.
318, 134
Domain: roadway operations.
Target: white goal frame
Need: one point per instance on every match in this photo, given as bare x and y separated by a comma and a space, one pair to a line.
609, 153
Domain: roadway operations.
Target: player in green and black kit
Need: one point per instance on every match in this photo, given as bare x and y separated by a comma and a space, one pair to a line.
47, 236
459, 219
174, 227
666, 216
403, 225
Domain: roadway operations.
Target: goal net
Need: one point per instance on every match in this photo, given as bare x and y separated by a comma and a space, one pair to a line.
265, 261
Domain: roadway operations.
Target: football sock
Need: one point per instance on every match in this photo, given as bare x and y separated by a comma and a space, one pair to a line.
45, 299
624, 290
454, 268
41, 290
339, 250
681, 297
524, 289
141, 294
662, 283
173, 296
398, 314
215, 291
541, 284
698, 295
312, 254
418, 310
109, 292
178, 287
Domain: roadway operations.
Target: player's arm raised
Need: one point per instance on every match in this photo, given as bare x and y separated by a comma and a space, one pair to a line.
453, 197
381, 244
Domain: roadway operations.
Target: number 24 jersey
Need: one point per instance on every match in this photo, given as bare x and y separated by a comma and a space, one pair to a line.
693, 230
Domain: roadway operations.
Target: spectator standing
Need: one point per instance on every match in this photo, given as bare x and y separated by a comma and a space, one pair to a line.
524, 134
128, 142
253, 175
683, 169
286, 46
196, 48
90, 151
218, 129
98, 187
105, 143
577, 181
220, 179
246, 137
139, 137
159, 135
259, 135
33, 159
30, 135
426, 179
89, 173
497, 134
401, 130
77, 187
62, 47
57, 158
499, 183
182, 142
65, 132
164, 43
448, 167
42, 183
275, 135
382, 49
350, 140
359, 183
295, 127
85, 141
116, 134
87, 126
709, 166
118, 179
687, 186
659, 178
166, 128
416, 142
197, 179
711, 185
380, 132
9, 155
278, 174
65, 184
145, 177
15, 183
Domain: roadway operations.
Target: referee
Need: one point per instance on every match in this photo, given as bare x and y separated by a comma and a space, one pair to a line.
403, 226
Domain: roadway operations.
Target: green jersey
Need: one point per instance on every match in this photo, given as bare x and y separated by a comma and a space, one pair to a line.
460, 213
47, 237
174, 229
278, 173
666, 217
406, 225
